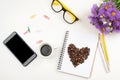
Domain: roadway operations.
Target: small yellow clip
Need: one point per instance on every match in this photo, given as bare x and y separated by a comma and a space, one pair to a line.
33, 16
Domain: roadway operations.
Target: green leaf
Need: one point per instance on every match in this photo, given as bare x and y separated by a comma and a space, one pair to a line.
118, 1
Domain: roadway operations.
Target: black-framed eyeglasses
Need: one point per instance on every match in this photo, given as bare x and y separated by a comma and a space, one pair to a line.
68, 15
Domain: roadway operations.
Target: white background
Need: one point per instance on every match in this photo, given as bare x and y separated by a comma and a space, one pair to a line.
15, 16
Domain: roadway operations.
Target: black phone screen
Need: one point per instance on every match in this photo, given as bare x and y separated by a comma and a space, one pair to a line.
19, 48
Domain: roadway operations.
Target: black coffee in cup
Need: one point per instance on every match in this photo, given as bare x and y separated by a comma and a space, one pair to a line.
46, 50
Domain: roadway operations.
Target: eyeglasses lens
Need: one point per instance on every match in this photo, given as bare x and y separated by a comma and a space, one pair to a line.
69, 17
57, 7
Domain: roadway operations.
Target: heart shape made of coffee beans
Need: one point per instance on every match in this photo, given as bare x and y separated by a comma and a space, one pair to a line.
77, 56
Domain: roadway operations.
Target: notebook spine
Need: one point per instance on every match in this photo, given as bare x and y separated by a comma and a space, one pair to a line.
63, 50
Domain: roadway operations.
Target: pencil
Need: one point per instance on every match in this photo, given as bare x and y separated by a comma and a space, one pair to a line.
102, 51
105, 48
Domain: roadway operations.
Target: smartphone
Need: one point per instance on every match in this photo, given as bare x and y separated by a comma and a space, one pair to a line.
19, 48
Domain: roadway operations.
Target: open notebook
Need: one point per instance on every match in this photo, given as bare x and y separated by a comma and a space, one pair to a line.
78, 53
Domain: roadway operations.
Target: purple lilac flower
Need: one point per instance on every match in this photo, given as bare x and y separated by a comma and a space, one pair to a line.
106, 18
94, 10
107, 5
112, 13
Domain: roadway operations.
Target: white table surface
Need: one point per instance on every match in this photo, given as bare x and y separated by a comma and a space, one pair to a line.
15, 16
